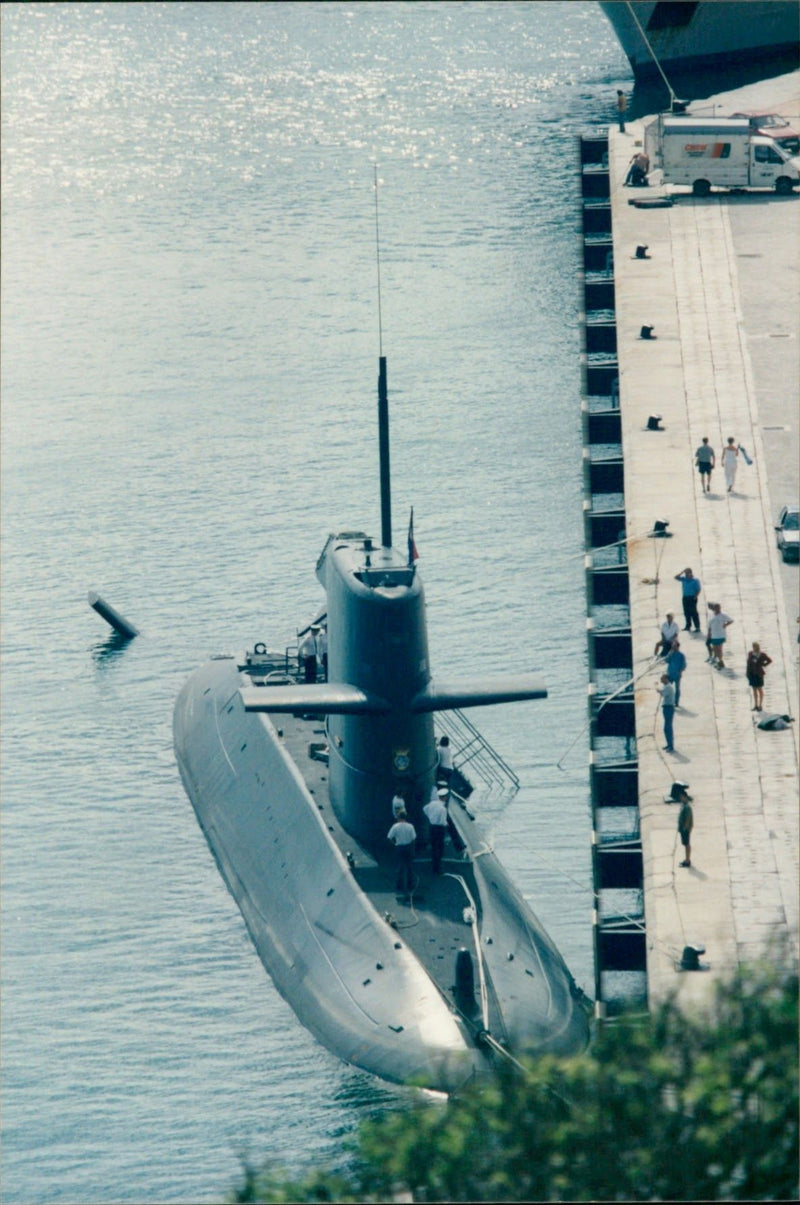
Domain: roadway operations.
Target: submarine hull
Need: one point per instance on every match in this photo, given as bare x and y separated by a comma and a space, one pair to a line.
316, 932
375, 982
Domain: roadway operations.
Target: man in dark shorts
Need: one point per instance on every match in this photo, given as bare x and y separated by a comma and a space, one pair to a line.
705, 459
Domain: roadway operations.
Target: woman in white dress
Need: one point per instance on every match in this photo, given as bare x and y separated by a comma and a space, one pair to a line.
730, 459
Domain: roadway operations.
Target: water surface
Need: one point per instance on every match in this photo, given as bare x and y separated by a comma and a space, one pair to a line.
190, 342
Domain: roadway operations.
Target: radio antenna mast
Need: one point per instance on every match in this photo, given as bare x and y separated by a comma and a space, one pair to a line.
378, 262
383, 402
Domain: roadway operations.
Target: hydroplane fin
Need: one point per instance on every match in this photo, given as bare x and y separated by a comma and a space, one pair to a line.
314, 698
479, 692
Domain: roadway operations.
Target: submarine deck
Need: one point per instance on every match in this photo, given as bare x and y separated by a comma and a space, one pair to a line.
431, 918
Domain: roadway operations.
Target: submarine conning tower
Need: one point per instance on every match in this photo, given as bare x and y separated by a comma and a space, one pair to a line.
377, 642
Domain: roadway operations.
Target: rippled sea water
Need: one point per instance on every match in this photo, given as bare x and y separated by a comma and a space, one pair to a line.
190, 342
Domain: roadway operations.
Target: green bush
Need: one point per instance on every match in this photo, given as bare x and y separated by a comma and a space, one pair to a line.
674, 1106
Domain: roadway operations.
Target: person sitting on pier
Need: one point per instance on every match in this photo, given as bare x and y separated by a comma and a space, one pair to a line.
669, 633
637, 170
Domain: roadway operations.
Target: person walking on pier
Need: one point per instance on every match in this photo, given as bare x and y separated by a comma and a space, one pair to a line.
705, 460
690, 589
669, 634
730, 460
403, 836
757, 662
717, 624
676, 664
685, 826
667, 692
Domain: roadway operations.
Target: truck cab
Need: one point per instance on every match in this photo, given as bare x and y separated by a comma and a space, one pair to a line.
768, 165
722, 152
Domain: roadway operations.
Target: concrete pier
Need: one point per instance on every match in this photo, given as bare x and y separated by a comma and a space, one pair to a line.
697, 372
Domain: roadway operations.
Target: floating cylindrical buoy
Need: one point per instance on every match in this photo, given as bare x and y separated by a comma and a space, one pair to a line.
118, 622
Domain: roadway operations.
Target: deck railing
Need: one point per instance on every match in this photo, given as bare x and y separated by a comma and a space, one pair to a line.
472, 753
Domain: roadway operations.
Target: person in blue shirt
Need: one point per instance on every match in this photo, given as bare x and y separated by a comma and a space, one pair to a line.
691, 587
676, 664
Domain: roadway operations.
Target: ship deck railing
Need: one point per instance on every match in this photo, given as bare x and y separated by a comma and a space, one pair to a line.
473, 755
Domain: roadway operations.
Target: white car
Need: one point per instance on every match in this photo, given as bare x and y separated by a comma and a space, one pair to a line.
788, 529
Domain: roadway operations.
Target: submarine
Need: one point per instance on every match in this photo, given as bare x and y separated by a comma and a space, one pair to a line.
292, 780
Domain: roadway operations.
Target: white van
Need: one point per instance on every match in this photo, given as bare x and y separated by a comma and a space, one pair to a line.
718, 151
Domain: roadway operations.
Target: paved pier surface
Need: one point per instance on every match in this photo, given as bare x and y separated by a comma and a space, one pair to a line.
720, 364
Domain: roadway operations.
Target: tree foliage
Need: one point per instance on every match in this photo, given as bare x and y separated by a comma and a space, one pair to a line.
676, 1106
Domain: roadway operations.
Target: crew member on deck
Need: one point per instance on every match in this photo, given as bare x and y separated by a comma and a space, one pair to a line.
308, 655
443, 795
437, 816
322, 652
403, 836
444, 771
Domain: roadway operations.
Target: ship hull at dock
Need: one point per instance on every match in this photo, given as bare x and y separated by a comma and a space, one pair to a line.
713, 35
329, 927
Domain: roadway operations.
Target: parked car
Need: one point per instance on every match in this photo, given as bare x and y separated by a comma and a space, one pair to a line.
773, 126
788, 529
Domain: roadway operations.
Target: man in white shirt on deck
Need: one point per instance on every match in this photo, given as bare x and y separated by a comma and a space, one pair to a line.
444, 771
307, 654
322, 652
436, 813
403, 836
